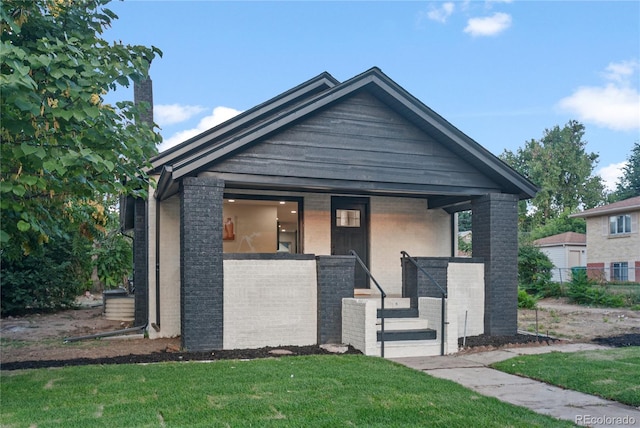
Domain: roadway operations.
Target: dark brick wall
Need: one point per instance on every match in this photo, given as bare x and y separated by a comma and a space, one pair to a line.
495, 239
335, 282
143, 92
201, 276
141, 262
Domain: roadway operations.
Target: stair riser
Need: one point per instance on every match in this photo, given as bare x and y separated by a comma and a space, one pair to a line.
412, 349
392, 336
391, 324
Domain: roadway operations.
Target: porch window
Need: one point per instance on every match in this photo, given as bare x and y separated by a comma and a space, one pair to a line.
255, 224
348, 218
619, 271
620, 224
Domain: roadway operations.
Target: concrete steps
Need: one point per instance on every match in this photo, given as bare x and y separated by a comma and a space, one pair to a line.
405, 335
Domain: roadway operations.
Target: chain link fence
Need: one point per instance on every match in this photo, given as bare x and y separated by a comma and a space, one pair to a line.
603, 275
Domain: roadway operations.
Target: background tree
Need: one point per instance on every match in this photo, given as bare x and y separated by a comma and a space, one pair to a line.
560, 166
628, 185
65, 153
61, 145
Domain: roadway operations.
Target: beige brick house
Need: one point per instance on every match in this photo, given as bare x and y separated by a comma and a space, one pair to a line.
613, 241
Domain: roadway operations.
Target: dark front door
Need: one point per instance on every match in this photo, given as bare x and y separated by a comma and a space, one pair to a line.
350, 231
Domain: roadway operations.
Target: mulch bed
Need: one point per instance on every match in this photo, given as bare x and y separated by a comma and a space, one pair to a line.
479, 342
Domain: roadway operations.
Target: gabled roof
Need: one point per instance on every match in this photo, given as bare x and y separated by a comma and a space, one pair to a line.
566, 238
631, 204
197, 153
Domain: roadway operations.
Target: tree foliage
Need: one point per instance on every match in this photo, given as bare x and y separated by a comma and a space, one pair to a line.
629, 184
63, 148
560, 166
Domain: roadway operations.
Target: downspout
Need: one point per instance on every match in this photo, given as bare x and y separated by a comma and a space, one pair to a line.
156, 325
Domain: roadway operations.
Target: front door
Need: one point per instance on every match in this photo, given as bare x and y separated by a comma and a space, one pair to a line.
350, 231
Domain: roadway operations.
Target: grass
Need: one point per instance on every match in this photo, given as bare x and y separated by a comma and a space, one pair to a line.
611, 374
314, 391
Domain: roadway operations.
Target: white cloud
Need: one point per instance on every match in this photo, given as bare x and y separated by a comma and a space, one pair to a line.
489, 25
611, 174
614, 105
217, 116
441, 14
168, 114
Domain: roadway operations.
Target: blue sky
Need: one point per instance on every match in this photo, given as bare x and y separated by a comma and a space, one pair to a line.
500, 71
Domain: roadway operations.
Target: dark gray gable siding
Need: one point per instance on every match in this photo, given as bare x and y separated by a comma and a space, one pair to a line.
365, 144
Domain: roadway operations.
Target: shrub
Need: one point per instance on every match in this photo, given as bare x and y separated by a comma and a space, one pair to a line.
42, 281
526, 300
534, 270
586, 291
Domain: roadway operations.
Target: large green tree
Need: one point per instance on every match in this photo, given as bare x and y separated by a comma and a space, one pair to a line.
62, 147
629, 184
560, 166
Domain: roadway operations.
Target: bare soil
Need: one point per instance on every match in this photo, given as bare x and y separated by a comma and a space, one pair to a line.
38, 340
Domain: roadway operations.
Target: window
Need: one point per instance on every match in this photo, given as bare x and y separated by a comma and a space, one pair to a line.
620, 271
620, 224
348, 218
261, 224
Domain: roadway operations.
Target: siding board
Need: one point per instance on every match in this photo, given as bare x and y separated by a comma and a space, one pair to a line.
358, 139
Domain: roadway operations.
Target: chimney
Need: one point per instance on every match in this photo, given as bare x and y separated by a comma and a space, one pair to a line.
143, 92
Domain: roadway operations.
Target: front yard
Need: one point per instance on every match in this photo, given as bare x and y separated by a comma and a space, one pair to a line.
347, 390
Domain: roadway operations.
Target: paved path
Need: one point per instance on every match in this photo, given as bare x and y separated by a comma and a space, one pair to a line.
472, 371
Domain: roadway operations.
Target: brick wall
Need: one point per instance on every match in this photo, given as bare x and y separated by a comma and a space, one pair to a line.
335, 282
269, 300
605, 249
359, 325
201, 273
495, 240
465, 283
407, 224
317, 224
430, 308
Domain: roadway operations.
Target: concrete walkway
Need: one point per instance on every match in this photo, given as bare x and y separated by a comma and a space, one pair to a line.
472, 371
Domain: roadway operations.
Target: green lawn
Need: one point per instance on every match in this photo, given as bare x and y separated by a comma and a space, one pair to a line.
316, 391
611, 374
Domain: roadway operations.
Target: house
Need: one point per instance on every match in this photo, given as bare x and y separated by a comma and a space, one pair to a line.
250, 236
565, 250
613, 238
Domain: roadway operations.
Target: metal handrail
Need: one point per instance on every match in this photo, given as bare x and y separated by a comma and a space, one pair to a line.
444, 296
413, 260
383, 295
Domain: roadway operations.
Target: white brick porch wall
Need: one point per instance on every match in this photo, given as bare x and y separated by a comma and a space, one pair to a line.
169, 267
269, 303
430, 308
359, 324
404, 224
465, 286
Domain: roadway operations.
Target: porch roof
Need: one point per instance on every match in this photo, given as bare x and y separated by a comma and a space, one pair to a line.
223, 142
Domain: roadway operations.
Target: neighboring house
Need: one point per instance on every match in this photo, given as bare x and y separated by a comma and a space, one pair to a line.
613, 238
565, 250
245, 241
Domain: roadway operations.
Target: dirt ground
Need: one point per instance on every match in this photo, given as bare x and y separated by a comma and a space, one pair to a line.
39, 338
576, 323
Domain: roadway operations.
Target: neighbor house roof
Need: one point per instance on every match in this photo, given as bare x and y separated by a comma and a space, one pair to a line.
233, 136
631, 204
566, 238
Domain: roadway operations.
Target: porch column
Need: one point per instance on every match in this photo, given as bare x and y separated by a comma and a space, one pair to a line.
495, 239
335, 282
141, 262
201, 291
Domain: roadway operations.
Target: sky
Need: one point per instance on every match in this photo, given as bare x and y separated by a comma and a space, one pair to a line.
501, 71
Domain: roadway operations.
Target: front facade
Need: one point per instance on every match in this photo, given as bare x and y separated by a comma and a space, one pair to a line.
246, 240
613, 238
566, 251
